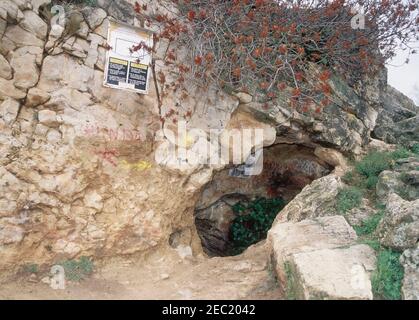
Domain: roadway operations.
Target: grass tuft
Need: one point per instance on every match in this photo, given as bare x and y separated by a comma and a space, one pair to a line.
349, 198
77, 270
387, 279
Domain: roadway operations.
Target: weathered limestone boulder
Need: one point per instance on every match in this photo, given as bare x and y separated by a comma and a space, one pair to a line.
398, 120
36, 97
20, 37
400, 182
95, 16
334, 158
48, 118
410, 263
70, 73
318, 259
7, 89
399, 228
8, 111
357, 216
34, 24
26, 73
3, 25
10, 11
342, 273
315, 200
37, 3
119, 10
10, 234
5, 69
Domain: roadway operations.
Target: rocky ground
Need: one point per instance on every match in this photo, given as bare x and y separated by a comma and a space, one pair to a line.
167, 276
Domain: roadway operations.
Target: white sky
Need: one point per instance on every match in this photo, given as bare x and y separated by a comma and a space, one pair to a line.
406, 77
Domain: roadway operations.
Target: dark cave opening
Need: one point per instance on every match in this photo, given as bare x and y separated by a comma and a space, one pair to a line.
235, 212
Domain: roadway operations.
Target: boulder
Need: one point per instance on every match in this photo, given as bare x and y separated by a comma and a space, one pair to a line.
36, 97
7, 89
400, 182
315, 200
5, 69
34, 24
95, 17
26, 73
244, 97
357, 216
318, 259
3, 25
20, 37
10, 234
47, 117
342, 273
10, 11
399, 228
70, 73
410, 262
333, 158
398, 120
37, 3
9, 110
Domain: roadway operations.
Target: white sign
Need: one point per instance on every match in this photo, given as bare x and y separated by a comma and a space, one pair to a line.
128, 60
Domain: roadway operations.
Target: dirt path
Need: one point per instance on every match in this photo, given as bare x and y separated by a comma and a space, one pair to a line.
163, 276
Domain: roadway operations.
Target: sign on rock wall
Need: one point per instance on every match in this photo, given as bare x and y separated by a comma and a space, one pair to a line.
127, 61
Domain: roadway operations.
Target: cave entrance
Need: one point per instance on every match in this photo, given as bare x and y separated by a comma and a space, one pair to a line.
235, 212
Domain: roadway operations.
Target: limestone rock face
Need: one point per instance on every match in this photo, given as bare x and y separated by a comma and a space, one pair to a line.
399, 229
34, 24
5, 69
9, 110
398, 121
319, 259
25, 69
36, 97
403, 180
410, 263
21, 37
87, 170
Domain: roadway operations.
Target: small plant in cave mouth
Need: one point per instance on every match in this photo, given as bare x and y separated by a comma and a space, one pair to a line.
253, 221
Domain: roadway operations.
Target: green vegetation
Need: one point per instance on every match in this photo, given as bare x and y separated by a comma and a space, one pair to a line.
31, 268
253, 221
387, 279
290, 290
77, 270
415, 148
89, 3
400, 153
369, 226
373, 164
349, 198
366, 172
373, 243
